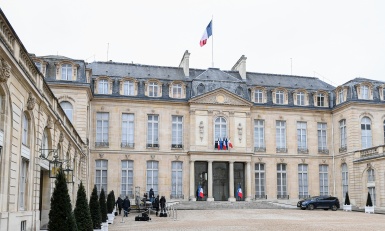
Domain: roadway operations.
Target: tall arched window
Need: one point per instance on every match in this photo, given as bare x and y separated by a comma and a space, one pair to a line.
101, 175
176, 179
220, 128
68, 109
25, 136
366, 133
44, 144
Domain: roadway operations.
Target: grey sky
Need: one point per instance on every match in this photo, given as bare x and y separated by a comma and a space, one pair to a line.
336, 40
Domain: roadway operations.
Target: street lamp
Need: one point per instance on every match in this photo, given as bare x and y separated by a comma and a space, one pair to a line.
55, 164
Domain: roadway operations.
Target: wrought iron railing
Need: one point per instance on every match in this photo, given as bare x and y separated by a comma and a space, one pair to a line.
323, 151
152, 145
102, 144
176, 196
176, 145
301, 196
260, 196
303, 150
127, 145
259, 149
281, 150
283, 197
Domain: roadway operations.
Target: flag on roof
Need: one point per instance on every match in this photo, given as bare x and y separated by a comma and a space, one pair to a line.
206, 35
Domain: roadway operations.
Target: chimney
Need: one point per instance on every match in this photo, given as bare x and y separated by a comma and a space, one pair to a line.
240, 66
185, 63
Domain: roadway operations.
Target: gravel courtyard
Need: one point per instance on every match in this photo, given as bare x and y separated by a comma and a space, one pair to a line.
256, 219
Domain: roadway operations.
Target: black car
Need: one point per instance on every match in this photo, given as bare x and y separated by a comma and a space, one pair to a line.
320, 202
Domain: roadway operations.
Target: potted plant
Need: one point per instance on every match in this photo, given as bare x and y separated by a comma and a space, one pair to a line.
95, 210
369, 208
347, 206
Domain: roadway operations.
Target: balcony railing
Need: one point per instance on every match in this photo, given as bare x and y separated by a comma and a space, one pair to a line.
127, 145
102, 144
176, 196
259, 149
370, 153
152, 145
323, 151
303, 150
260, 196
177, 146
303, 196
283, 197
281, 150
343, 149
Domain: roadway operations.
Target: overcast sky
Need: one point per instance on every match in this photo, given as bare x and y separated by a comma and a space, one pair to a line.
334, 40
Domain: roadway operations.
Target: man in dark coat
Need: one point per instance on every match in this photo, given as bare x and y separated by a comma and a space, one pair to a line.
119, 203
126, 206
156, 205
162, 204
152, 196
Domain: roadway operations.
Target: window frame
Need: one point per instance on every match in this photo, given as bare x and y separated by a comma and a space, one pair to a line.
23, 184
303, 181
127, 179
177, 179
152, 176
280, 97
345, 179
153, 89
258, 96
366, 133
128, 130
68, 109
321, 98
99, 170
260, 180
280, 137
343, 137
152, 130
282, 180
102, 136
176, 131
300, 98
103, 85
25, 131
66, 72
177, 90
322, 136
128, 87
301, 135
324, 179
259, 134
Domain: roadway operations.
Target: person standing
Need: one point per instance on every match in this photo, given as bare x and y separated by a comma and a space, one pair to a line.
156, 205
126, 206
152, 196
162, 204
119, 203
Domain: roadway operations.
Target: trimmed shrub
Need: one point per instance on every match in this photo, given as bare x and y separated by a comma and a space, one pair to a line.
110, 202
103, 205
95, 209
82, 211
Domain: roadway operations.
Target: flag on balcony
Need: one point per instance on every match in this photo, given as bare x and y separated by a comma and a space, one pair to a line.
239, 191
219, 146
225, 145
230, 145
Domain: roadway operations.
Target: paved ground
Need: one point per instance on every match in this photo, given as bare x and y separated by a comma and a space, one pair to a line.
256, 219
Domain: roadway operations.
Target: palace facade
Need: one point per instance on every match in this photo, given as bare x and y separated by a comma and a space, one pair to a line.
130, 127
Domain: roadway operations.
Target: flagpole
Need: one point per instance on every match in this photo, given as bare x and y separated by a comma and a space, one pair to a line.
212, 45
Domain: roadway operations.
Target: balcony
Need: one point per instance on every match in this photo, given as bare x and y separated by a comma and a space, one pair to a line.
302, 196
370, 153
343, 149
303, 151
260, 196
152, 145
102, 144
127, 145
283, 197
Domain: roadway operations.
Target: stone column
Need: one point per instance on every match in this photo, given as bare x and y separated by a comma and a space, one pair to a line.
210, 182
248, 196
192, 182
231, 178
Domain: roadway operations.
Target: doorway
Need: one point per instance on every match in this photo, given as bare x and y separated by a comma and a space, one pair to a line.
220, 181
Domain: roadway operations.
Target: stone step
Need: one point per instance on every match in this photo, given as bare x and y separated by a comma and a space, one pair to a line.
206, 205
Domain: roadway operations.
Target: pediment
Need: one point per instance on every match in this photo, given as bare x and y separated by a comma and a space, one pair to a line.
221, 97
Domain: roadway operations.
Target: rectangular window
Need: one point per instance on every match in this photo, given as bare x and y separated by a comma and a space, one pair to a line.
152, 176
260, 181
300, 99
320, 100
128, 88
364, 92
102, 124
341, 96
259, 135
25, 131
127, 179
258, 95
345, 178
301, 135
128, 130
323, 180
280, 136
152, 131
177, 91
302, 181
23, 225
66, 72
103, 86
281, 181
177, 132
23, 183
177, 180
279, 97
322, 145
101, 175
152, 90
343, 134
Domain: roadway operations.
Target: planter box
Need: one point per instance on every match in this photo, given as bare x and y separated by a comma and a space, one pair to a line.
369, 209
347, 207
110, 218
104, 226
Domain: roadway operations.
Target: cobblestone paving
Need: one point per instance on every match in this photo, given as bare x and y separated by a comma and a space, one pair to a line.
256, 219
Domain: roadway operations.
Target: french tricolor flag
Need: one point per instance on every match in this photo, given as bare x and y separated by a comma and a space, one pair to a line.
201, 192
240, 194
206, 35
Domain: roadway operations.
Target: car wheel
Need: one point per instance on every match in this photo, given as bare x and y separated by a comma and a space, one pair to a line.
334, 207
310, 207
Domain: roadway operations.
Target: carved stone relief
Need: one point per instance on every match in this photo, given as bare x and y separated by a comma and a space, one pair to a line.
201, 130
5, 70
31, 102
61, 137
49, 122
240, 131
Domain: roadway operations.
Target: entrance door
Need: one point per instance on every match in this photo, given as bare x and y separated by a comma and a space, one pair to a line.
220, 181
239, 180
200, 169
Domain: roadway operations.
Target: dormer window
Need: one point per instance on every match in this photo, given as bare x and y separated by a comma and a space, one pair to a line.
258, 96
364, 92
301, 98
279, 97
103, 86
239, 91
66, 72
177, 91
320, 100
128, 88
153, 89
341, 96
201, 89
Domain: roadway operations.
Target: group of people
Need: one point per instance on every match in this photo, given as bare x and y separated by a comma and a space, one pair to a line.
156, 202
